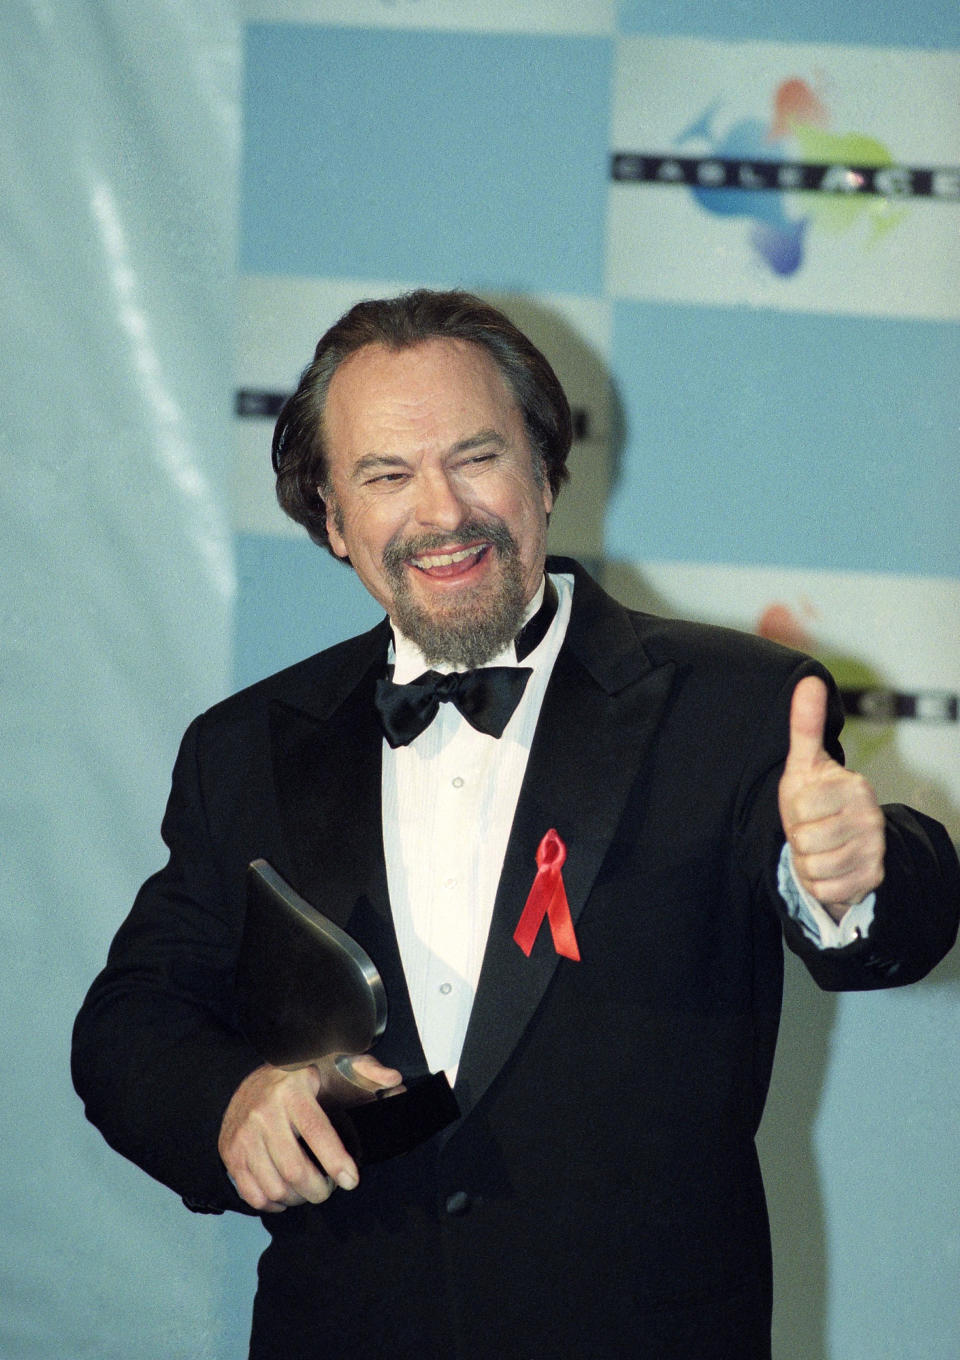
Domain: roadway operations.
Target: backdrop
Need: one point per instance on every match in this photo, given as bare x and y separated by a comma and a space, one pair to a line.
737, 236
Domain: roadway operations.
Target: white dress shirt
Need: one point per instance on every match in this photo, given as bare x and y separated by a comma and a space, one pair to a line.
448, 805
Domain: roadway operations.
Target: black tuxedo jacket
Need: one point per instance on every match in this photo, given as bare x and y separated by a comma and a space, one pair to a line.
600, 1195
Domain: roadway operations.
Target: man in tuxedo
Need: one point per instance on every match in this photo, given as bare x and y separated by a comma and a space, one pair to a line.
508, 722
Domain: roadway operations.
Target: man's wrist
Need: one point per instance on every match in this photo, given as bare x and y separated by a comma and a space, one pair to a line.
812, 916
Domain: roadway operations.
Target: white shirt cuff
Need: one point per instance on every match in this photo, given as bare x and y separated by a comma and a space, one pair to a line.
814, 920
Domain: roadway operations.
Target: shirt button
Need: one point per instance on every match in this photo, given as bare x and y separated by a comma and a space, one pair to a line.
445, 989
457, 782
458, 1203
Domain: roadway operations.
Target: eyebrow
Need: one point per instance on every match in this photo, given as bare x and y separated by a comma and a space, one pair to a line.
376, 462
480, 440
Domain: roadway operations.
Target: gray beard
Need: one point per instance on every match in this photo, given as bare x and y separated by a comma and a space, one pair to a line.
475, 626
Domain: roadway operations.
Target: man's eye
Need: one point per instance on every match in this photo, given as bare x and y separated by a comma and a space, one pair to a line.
386, 477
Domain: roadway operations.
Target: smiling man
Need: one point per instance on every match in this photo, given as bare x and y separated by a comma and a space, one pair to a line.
671, 795
433, 494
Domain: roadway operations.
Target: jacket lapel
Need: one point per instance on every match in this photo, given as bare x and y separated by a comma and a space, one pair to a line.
326, 763
326, 744
600, 712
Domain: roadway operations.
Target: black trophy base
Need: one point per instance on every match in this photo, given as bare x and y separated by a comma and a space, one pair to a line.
396, 1122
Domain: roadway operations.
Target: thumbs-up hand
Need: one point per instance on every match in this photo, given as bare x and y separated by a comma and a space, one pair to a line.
830, 814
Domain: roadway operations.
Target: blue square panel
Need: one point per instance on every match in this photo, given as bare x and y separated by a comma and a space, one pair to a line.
472, 158
293, 599
785, 439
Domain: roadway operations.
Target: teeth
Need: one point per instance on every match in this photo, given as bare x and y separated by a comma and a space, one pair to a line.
446, 559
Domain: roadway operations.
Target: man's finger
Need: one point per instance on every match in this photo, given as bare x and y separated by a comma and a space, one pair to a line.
367, 1069
808, 718
324, 1145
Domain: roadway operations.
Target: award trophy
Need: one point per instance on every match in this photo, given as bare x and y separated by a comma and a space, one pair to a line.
309, 995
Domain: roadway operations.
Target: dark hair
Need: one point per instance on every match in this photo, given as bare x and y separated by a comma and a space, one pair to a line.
299, 453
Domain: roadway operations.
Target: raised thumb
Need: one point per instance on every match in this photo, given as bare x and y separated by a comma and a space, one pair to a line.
808, 717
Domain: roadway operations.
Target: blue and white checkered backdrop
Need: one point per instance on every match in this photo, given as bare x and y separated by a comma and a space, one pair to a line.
737, 234
734, 228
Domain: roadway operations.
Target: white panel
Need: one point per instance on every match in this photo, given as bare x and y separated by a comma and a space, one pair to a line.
894, 257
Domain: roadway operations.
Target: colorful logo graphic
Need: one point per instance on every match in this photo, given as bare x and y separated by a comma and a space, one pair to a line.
782, 212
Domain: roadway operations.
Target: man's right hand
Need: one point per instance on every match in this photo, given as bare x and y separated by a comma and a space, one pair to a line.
259, 1144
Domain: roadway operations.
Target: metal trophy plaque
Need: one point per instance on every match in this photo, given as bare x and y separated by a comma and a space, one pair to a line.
309, 995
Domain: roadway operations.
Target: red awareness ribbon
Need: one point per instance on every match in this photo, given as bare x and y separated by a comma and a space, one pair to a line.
548, 897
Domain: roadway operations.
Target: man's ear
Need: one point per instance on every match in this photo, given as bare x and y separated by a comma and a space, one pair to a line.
543, 481
334, 523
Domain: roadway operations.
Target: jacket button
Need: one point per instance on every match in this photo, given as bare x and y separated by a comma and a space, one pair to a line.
458, 1203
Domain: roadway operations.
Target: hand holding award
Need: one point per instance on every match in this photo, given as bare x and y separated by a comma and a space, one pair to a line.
311, 996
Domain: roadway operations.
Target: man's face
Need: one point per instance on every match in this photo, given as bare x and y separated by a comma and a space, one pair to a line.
433, 494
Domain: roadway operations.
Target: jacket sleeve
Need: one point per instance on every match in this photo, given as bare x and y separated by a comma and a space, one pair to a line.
157, 1052
915, 918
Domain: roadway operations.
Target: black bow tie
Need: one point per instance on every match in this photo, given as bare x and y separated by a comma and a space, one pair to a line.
486, 697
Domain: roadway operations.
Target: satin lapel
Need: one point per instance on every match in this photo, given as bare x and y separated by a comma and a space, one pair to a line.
327, 776
590, 746
327, 760
327, 769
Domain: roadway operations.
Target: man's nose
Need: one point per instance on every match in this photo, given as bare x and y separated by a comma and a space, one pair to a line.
439, 505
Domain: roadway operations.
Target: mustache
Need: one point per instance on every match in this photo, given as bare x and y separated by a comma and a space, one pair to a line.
399, 550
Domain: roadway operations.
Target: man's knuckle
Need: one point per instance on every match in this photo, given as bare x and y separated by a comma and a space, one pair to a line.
251, 1193
291, 1166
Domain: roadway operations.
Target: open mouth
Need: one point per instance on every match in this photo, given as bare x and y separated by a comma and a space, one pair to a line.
450, 562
